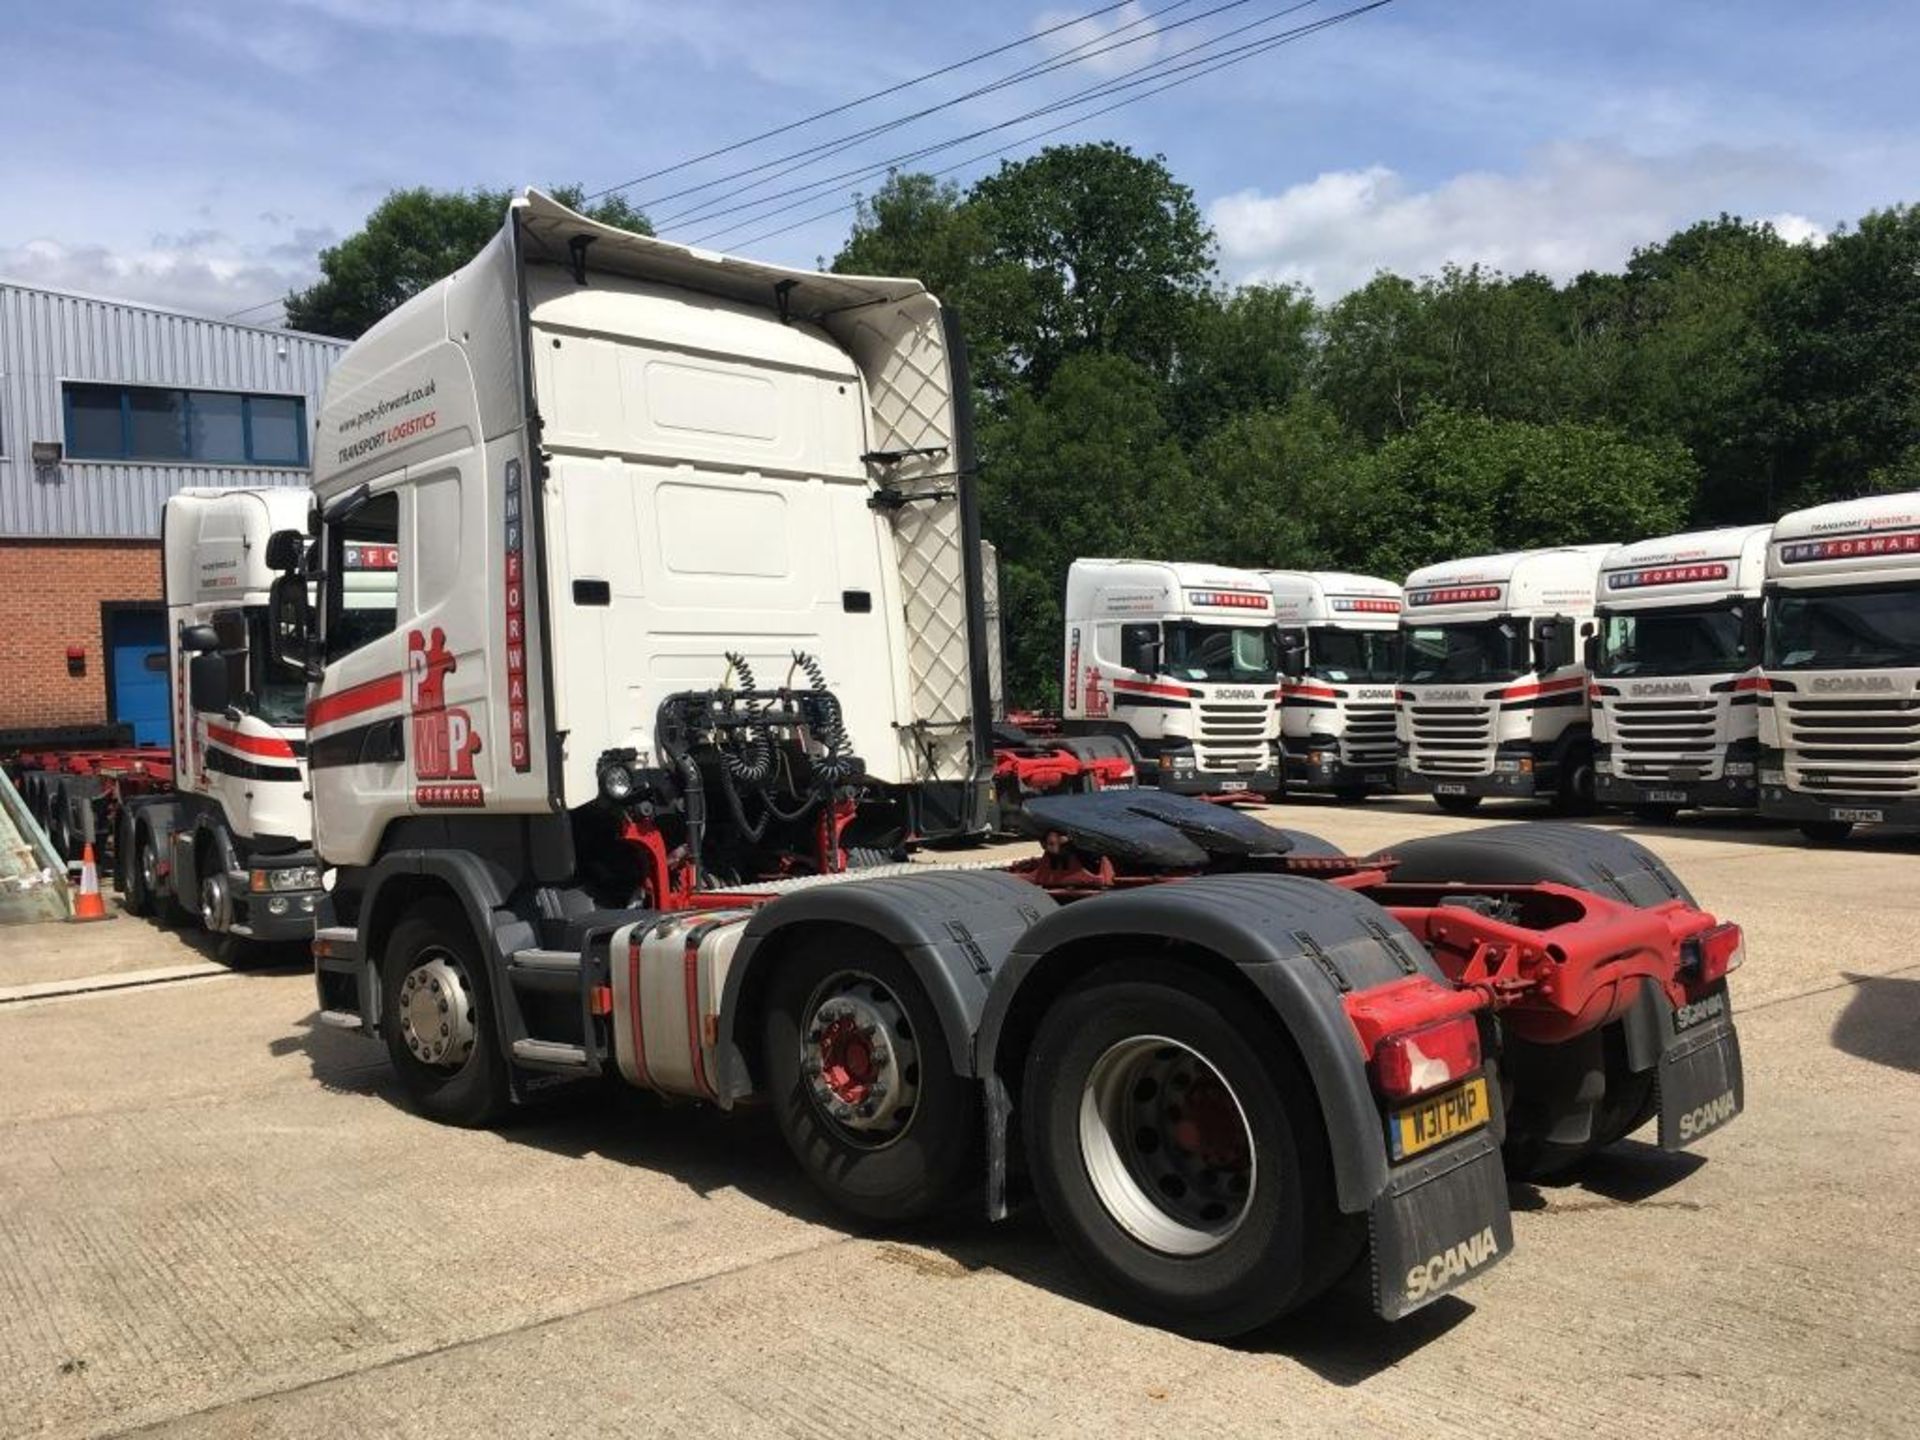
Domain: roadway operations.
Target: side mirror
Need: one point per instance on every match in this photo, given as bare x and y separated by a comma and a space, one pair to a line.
1293, 659
1150, 655
286, 550
207, 687
1546, 631
1590, 652
290, 625
199, 639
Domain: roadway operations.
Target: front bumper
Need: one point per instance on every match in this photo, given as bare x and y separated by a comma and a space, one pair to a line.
1186, 781
1742, 793
1516, 786
1779, 803
1329, 772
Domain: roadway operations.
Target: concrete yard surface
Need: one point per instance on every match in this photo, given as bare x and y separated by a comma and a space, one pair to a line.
218, 1218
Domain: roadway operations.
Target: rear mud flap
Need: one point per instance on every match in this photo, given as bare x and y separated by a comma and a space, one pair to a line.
1701, 1085
1440, 1222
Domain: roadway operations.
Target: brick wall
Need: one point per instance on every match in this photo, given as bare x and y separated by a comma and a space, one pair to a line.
50, 596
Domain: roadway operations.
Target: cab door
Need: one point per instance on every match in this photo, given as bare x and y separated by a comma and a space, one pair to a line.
357, 713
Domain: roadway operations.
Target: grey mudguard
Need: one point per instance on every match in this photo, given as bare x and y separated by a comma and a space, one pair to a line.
1303, 943
954, 927
1581, 856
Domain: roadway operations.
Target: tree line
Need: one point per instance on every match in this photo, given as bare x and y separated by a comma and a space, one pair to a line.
1129, 403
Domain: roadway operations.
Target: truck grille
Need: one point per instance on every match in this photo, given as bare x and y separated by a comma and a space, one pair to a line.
1664, 739
1452, 739
1233, 738
1368, 738
1852, 747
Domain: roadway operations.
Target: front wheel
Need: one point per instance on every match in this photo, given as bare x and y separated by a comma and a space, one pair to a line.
862, 1082
436, 1012
1826, 832
1458, 804
1351, 794
1655, 814
1177, 1151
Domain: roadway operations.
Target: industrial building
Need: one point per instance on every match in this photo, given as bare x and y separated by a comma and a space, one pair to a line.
107, 408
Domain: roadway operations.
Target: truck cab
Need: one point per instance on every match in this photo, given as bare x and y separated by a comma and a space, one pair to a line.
1676, 672
1340, 659
1182, 662
1492, 697
1840, 680
232, 841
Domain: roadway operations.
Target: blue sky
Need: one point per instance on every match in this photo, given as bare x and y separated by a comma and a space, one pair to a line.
198, 153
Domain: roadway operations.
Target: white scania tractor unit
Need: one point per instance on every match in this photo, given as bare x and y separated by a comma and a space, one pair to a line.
1840, 693
685, 583
1493, 690
1339, 661
1676, 672
1180, 662
230, 841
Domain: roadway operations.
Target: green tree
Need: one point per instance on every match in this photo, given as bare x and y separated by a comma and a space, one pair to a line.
1088, 248
1843, 385
1090, 468
1271, 488
1457, 485
917, 227
1252, 349
413, 238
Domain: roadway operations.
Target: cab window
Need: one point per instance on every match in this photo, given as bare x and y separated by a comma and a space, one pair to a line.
363, 575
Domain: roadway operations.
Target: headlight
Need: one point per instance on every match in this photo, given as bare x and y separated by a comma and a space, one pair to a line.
287, 877
1520, 766
1739, 769
616, 783
1773, 777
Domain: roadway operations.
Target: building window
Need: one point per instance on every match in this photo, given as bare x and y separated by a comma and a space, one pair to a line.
214, 427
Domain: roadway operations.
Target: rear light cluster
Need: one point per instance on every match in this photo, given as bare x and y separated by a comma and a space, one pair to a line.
1430, 1058
1713, 954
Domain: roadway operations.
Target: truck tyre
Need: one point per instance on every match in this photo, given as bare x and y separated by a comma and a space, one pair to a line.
436, 1011
1351, 794
1177, 1151
1655, 814
1573, 795
1826, 832
1458, 804
862, 1086
142, 881
59, 815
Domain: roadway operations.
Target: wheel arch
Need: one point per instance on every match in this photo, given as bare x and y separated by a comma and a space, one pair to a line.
954, 929
1293, 945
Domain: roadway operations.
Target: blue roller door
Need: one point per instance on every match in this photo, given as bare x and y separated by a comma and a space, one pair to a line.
137, 683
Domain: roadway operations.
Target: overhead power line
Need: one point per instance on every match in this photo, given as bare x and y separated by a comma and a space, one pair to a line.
1079, 54
1260, 48
1127, 79
253, 309
881, 94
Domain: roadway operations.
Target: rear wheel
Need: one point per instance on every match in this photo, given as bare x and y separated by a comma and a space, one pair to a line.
437, 1015
1655, 814
862, 1083
1177, 1151
142, 870
59, 815
1458, 804
1826, 832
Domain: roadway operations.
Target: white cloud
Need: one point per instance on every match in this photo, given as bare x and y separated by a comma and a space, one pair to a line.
1576, 207
1119, 40
204, 279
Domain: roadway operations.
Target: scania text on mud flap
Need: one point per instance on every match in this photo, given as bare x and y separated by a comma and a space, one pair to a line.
1676, 672
1839, 690
1339, 660
1179, 663
214, 828
1227, 1061
1492, 698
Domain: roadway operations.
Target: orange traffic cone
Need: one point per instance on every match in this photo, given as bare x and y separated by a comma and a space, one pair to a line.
88, 905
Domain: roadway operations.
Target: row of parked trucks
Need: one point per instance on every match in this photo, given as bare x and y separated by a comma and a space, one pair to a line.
1769, 668
638, 615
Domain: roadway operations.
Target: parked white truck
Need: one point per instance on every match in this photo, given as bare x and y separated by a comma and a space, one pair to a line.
1676, 672
1493, 690
230, 840
1339, 662
1840, 692
1180, 661
571, 838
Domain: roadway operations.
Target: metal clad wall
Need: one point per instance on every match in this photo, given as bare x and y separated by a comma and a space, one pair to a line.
47, 338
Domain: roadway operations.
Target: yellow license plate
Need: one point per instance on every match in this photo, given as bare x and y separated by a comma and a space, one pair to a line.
1439, 1118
